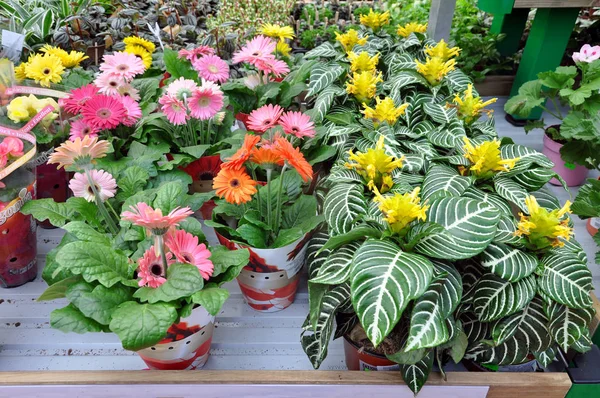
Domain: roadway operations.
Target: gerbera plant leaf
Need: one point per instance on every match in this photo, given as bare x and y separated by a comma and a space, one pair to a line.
566, 280
98, 302
70, 320
182, 280
211, 298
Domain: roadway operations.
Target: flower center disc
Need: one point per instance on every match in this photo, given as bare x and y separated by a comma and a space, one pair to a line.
103, 113
234, 183
204, 102
156, 269
213, 69
46, 71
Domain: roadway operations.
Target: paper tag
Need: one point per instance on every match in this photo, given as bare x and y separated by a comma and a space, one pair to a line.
570, 166
595, 223
12, 44
366, 366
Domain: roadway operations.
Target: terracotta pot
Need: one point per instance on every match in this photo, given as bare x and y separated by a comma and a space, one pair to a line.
574, 175
187, 345
357, 359
270, 280
51, 183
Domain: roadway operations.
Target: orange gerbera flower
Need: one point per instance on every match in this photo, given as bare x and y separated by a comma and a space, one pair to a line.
266, 157
80, 152
242, 155
235, 186
293, 157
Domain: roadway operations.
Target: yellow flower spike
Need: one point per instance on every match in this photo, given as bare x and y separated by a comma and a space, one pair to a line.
349, 39
434, 69
411, 27
375, 20
375, 166
544, 228
469, 107
441, 50
363, 62
277, 31
385, 111
283, 48
44, 69
400, 210
363, 85
485, 158
138, 41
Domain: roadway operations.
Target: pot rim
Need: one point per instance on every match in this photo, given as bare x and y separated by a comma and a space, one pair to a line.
366, 351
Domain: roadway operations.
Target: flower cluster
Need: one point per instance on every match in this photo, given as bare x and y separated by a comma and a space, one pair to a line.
470, 107
211, 68
23, 108
384, 111
48, 67
118, 70
375, 20
587, 54
294, 123
544, 228
412, 27
141, 48
439, 62
184, 99
10, 147
486, 159
281, 33
349, 39
399, 210
259, 53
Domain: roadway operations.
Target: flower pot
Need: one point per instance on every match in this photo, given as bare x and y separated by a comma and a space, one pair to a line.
243, 117
186, 346
163, 81
51, 183
357, 359
528, 366
270, 280
574, 175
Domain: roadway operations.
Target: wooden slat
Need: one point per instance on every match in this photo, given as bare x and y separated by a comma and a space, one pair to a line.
554, 3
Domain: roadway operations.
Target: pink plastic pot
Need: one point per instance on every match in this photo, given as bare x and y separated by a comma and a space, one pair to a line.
574, 175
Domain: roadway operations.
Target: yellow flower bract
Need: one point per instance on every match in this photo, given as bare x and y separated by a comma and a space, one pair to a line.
434, 69
363, 85
545, 228
69, 59
411, 27
441, 50
363, 62
349, 39
375, 20
400, 210
486, 159
384, 111
44, 69
138, 41
469, 107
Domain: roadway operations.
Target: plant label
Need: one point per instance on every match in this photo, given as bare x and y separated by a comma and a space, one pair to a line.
12, 44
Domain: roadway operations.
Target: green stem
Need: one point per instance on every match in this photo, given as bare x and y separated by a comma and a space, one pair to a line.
109, 221
279, 199
269, 198
208, 132
159, 247
557, 107
258, 194
112, 210
550, 112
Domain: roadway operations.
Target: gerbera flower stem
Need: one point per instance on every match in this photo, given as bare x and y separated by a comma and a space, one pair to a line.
279, 199
107, 217
269, 172
159, 246
258, 192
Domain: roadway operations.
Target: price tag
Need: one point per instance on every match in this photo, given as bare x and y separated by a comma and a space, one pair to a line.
12, 44
570, 166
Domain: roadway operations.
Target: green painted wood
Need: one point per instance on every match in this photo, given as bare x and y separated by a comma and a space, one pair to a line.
547, 42
496, 7
513, 26
584, 391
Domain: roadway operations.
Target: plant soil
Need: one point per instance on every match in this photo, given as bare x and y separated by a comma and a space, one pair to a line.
390, 345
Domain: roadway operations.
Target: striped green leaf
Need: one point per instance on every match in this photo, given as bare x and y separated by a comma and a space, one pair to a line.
324, 101
512, 352
545, 358
336, 269
506, 232
534, 179
507, 262
314, 261
567, 325
566, 279
496, 298
449, 135
511, 191
489, 198
344, 203
473, 328
416, 375
457, 81
442, 181
323, 76
400, 63
546, 199
343, 175
325, 50
440, 113
383, 280
527, 157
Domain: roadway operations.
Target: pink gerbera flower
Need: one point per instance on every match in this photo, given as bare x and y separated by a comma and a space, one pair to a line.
151, 268
123, 65
80, 128
103, 182
174, 109
153, 219
253, 80
182, 89
127, 90
265, 117
12, 146
212, 68
205, 103
78, 97
195, 53
186, 249
273, 67
103, 112
298, 124
108, 84
133, 112
258, 49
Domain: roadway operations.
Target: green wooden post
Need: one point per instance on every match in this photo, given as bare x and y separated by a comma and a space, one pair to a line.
513, 26
584, 391
550, 33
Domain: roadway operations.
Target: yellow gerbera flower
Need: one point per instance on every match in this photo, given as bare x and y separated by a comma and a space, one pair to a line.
138, 41
385, 111
375, 20
349, 39
363, 62
363, 85
141, 53
44, 69
441, 50
69, 60
485, 158
20, 71
543, 228
375, 166
469, 107
411, 27
277, 31
400, 210
283, 48
434, 69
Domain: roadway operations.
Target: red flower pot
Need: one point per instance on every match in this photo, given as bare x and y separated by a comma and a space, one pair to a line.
187, 345
163, 81
270, 280
363, 360
243, 117
51, 183
203, 171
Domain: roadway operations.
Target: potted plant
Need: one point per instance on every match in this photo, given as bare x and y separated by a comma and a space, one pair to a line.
131, 262
585, 206
573, 143
268, 213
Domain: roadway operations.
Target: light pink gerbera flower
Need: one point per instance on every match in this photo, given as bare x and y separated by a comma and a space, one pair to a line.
174, 109
123, 65
79, 129
265, 117
151, 268
212, 68
108, 84
103, 112
153, 219
273, 67
195, 53
186, 249
127, 90
182, 89
133, 112
205, 103
258, 49
103, 182
253, 80
298, 124
78, 97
